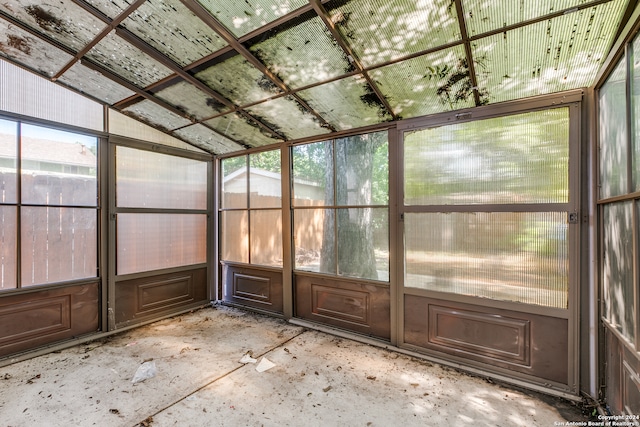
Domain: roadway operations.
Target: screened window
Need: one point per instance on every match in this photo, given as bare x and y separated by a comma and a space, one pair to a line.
48, 205
161, 203
486, 208
251, 209
619, 151
341, 213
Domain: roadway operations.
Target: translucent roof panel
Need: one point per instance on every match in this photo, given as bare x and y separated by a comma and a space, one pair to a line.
502, 13
208, 140
562, 53
242, 17
111, 8
94, 84
286, 116
62, 20
150, 112
174, 30
301, 52
239, 128
382, 30
239, 81
427, 84
346, 103
22, 47
127, 61
191, 100
119, 124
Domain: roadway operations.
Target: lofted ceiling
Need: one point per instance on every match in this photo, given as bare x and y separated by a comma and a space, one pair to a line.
227, 75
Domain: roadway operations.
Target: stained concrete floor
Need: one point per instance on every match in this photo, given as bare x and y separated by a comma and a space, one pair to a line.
317, 380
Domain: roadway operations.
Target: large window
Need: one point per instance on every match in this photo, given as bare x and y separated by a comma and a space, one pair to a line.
485, 208
619, 154
161, 205
48, 205
341, 212
251, 209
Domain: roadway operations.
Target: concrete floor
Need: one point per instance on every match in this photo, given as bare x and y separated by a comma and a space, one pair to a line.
318, 380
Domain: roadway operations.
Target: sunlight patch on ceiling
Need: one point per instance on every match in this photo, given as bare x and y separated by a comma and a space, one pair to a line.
287, 117
239, 128
379, 31
346, 103
174, 30
303, 54
243, 16
563, 53
191, 100
237, 80
94, 84
127, 61
427, 84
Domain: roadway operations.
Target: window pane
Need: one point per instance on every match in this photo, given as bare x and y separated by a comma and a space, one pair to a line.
234, 183
265, 181
617, 267
518, 257
234, 244
156, 241
152, 180
362, 173
363, 243
266, 237
58, 244
613, 134
313, 174
8, 161
514, 159
635, 102
314, 239
8, 248
58, 168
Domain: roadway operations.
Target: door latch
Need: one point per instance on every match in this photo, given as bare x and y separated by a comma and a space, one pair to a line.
573, 217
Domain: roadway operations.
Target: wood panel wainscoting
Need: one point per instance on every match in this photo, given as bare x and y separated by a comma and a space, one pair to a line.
360, 307
142, 299
623, 375
47, 316
531, 344
253, 287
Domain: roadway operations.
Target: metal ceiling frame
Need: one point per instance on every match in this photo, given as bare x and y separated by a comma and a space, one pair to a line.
236, 45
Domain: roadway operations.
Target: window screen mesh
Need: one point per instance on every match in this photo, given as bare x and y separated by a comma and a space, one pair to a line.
506, 256
514, 159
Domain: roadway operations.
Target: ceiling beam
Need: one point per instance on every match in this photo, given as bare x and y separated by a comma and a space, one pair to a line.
351, 56
468, 53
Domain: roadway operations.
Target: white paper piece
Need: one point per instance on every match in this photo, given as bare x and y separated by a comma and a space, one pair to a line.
248, 359
264, 365
145, 371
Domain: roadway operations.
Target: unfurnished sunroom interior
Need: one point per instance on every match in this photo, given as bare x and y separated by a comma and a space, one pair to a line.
458, 179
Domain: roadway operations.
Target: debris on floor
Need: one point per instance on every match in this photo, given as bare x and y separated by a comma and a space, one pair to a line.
264, 365
145, 371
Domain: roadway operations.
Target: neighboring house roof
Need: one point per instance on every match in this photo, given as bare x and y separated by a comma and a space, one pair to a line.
75, 154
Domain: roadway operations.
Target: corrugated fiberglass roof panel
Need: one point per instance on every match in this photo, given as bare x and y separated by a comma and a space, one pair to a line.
239, 81
127, 61
301, 52
62, 20
286, 116
347, 103
30, 51
503, 13
427, 84
243, 16
562, 53
208, 140
95, 84
159, 117
191, 100
240, 128
379, 30
110, 8
171, 28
